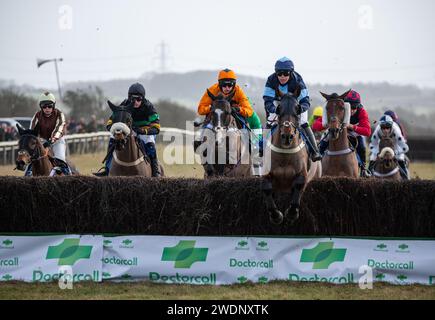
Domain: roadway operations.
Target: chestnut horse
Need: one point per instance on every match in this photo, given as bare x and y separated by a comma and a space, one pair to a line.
289, 168
339, 159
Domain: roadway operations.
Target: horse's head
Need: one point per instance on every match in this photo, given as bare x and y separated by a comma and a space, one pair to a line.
221, 117
386, 154
337, 114
122, 123
288, 112
29, 147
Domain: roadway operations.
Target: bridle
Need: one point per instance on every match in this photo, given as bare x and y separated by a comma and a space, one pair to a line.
341, 124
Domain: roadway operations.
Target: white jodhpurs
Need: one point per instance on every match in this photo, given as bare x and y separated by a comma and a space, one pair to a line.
59, 149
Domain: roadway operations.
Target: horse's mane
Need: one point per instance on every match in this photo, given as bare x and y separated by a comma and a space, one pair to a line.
289, 108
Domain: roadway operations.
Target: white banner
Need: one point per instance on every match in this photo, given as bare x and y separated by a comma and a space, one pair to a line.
46, 258
219, 260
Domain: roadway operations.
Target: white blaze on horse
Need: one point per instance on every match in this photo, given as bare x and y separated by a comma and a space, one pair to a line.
224, 147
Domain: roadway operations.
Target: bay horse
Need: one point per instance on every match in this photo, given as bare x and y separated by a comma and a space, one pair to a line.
31, 151
290, 168
386, 165
225, 153
128, 157
339, 159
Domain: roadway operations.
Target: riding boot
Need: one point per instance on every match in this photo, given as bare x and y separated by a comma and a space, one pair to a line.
150, 149
155, 167
364, 173
404, 170
312, 145
323, 145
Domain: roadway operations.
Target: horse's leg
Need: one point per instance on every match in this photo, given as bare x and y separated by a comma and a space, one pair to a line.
297, 186
275, 215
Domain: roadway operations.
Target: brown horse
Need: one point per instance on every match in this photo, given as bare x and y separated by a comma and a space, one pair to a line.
128, 157
339, 159
32, 152
386, 166
222, 148
290, 168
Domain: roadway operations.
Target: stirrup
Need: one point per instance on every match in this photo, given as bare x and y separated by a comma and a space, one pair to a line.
102, 172
315, 156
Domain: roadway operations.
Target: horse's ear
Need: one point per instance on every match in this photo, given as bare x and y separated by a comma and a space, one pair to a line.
36, 130
297, 91
279, 93
231, 96
344, 95
20, 129
324, 95
112, 106
212, 97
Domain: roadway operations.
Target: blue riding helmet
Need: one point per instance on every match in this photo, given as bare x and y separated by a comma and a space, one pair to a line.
284, 64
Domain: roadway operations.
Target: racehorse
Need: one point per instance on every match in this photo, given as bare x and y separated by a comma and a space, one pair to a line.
128, 157
31, 151
225, 154
339, 159
290, 166
386, 166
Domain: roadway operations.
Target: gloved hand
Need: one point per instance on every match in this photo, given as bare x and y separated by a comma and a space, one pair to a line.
139, 130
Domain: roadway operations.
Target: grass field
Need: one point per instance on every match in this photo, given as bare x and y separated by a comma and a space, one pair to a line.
278, 290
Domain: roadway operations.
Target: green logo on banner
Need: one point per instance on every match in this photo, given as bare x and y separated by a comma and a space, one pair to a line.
126, 276
381, 246
68, 252
431, 279
106, 275
184, 254
242, 243
7, 277
263, 280
7, 242
107, 243
402, 277
323, 255
403, 248
127, 242
242, 279
262, 246
380, 276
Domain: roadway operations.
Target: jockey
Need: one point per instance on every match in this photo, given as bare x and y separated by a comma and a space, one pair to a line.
51, 123
388, 126
286, 80
240, 103
359, 127
395, 118
146, 124
315, 120
317, 114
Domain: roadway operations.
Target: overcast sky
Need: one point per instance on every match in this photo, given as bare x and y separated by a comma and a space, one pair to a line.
338, 41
